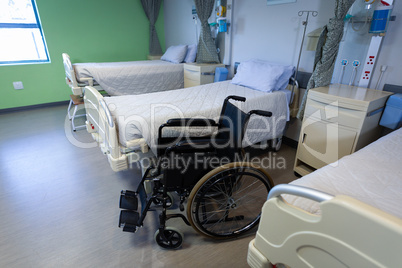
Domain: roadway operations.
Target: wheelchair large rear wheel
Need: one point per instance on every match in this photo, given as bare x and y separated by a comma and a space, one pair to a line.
227, 201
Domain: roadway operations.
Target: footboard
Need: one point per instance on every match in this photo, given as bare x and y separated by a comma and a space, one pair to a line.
101, 125
71, 79
348, 233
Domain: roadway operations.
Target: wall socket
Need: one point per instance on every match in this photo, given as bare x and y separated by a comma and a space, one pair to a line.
18, 85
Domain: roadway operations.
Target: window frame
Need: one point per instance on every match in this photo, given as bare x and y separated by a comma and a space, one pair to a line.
36, 25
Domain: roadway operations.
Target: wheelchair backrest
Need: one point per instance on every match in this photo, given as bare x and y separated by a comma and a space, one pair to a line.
232, 124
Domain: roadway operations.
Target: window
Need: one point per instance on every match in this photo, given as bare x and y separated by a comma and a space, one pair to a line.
21, 37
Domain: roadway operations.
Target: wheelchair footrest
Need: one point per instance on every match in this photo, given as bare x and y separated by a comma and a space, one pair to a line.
129, 220
129, 228
128, 200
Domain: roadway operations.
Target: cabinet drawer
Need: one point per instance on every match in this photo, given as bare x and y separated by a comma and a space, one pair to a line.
322, 143
192, 75
190, 83
206, 78
334, 114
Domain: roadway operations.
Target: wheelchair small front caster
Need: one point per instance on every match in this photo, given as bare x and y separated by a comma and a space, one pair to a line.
174, 238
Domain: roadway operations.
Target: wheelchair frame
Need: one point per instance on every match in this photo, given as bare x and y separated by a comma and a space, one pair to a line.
217, 198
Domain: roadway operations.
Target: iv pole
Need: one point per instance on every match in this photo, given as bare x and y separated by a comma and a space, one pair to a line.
314, 14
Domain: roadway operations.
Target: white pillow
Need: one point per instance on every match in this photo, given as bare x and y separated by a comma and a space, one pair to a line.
191, 53
175, 54
258, 75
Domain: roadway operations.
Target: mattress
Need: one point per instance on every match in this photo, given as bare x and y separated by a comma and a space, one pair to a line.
372, 175
140, 116
133, 77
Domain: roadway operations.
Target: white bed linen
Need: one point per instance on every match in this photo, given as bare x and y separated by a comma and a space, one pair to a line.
141, 115
372, 175
133, 77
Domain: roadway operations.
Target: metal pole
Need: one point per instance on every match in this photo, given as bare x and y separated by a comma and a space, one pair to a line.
314, 14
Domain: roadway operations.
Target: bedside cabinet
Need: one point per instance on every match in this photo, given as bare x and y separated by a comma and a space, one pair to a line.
196, 74
338, 120
154, 57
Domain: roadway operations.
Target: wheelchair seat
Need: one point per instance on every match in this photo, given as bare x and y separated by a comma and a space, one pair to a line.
222, 193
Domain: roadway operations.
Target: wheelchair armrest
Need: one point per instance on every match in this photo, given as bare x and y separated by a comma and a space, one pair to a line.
193, 122
260, 112
188, 122
198, 145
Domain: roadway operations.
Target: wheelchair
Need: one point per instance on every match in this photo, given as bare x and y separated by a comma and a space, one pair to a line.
222, 200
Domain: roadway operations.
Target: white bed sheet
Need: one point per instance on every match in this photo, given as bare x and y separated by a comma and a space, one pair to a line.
141, 115
133, 77
372, 175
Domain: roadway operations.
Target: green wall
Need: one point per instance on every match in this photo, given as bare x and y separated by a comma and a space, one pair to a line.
89, 31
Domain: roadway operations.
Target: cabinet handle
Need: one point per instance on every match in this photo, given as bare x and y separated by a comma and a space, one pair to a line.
375, 112
304, 137
208, 73
191, 71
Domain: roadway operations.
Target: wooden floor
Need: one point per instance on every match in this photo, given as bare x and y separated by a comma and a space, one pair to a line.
59, 203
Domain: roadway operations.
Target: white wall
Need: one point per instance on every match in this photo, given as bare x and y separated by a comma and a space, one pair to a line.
179, 24
272, 33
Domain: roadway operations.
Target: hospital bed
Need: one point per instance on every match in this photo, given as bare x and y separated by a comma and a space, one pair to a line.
126, 126
347, 214
124, 78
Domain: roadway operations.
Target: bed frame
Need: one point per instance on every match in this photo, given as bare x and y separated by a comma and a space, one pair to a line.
101, 126
348, 233
143, 76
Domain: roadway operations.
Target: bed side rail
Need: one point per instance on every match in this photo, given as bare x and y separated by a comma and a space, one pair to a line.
347, 233
293, 86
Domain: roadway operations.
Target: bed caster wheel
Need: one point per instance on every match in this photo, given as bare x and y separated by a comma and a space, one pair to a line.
297, 174
173, 238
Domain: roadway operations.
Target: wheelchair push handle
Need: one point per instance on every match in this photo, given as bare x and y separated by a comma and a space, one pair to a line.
260, 112
237, 98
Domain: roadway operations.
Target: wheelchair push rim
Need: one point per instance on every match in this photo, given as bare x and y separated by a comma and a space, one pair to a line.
227, 201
